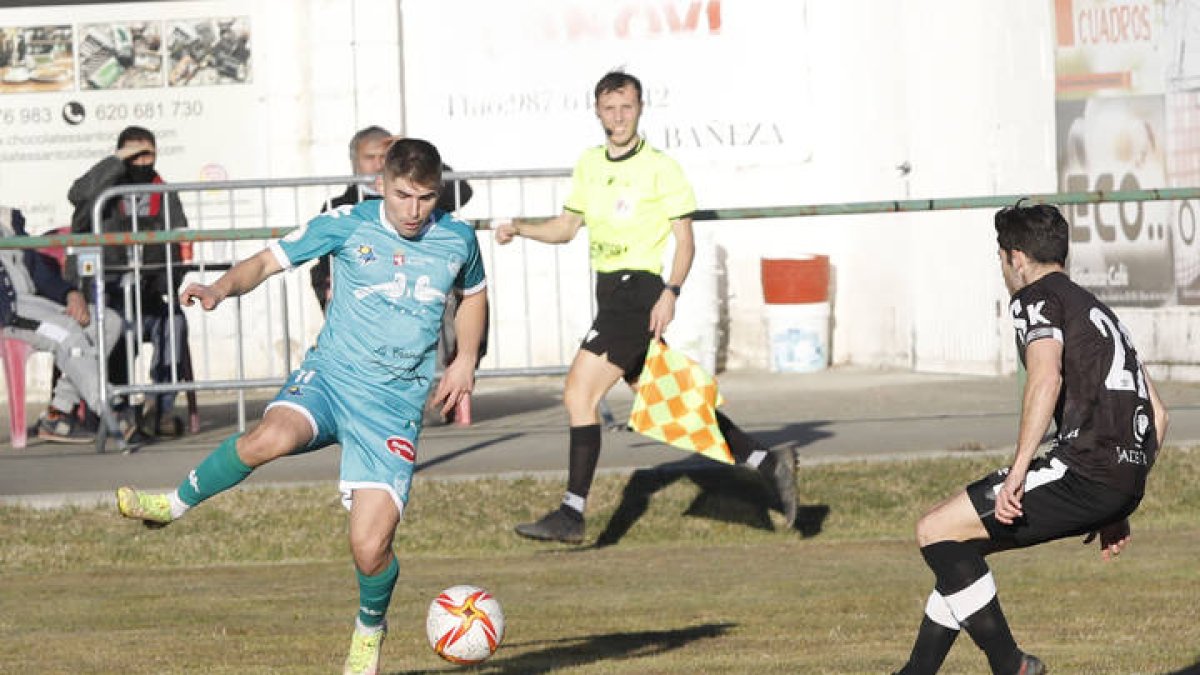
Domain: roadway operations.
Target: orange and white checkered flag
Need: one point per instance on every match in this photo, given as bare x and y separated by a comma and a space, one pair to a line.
676, 403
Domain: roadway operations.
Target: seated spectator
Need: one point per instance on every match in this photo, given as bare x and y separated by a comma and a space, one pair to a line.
40, 308
133, 163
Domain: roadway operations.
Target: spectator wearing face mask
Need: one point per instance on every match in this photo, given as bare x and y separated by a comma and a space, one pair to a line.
133, 164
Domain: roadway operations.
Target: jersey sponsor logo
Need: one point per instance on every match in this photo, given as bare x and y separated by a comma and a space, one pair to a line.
603, 249
398, 258
1131, 456
295, 390
402, 448
424, 291
366, 254
1019, 324
1034, 311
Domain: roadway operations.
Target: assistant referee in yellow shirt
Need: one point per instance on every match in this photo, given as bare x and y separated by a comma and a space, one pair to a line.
631, 196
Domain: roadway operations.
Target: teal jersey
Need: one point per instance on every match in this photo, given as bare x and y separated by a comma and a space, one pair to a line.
381, 330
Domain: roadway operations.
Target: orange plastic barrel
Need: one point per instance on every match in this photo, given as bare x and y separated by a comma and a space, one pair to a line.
795, 281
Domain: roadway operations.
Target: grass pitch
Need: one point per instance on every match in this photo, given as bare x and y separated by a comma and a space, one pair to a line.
694, 580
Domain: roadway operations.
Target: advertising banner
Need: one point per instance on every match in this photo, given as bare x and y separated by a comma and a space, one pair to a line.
71, 78
1126, 81
509, 85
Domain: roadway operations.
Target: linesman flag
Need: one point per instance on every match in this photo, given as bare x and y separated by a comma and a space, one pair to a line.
676, 403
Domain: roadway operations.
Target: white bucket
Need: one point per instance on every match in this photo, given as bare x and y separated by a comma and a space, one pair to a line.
798, 336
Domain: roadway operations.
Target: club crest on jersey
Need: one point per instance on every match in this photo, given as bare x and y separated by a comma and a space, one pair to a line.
366, 254
1141, 423
402, 448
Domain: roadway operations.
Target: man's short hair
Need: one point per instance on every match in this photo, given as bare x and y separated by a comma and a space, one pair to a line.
617, 79
414, 159
1037, 230
134, 133
370, 133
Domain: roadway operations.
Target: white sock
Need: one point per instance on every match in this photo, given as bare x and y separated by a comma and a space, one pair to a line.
366, 630
574, 501
178, 507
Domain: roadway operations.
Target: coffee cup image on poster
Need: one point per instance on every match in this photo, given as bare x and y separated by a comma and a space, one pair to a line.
36, 59
1122, 252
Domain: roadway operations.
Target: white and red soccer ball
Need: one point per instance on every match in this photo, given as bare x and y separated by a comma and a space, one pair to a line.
465, 624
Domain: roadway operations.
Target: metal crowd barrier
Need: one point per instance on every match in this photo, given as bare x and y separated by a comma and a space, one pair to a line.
496, 194
222, 217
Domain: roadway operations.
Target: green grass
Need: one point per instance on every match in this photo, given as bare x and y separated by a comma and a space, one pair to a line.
259, 580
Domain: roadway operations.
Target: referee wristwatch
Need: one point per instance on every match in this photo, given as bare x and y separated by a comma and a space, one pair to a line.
675, 288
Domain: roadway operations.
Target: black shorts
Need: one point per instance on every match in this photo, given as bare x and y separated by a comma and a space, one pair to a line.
621, 330
1058, 503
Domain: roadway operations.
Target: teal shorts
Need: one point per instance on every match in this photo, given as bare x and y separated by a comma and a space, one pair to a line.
379, 446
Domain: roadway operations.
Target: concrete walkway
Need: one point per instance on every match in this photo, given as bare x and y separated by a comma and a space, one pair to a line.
520, 429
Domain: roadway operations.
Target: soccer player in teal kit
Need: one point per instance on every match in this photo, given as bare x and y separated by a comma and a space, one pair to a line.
366, 381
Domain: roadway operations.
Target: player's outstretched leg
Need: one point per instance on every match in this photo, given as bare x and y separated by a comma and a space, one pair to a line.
154, 510
221, 470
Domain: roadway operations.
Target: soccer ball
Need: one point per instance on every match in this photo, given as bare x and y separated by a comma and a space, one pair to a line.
465, 624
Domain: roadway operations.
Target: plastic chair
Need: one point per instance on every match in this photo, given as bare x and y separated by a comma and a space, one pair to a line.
15, 354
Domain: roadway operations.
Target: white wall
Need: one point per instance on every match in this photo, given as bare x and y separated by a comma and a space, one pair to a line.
961, 94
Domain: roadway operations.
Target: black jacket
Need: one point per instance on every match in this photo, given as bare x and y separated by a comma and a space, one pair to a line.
106, 173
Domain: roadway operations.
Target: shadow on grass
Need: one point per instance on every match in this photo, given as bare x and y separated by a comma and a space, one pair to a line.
1193, 669
552, 655
732, 494
421, 466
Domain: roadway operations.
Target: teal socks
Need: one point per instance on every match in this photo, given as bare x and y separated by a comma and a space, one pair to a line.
375, 594
221, 470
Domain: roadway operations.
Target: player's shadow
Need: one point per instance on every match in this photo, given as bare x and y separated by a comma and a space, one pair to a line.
1193, 669
552, 655
731, 494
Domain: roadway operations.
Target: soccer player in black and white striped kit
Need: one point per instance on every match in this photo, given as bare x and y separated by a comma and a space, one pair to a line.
1085, 375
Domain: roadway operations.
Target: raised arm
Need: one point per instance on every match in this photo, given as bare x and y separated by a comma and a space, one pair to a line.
238, 280
557, 230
